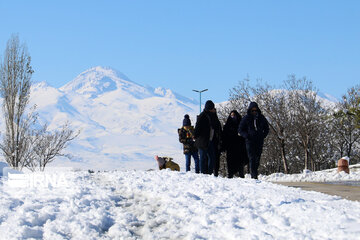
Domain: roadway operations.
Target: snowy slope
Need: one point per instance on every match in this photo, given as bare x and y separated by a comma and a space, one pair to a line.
123, 124
169, 205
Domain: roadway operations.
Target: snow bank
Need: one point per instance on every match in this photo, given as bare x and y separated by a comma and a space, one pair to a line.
330, 175
170, 205
3, 165
5, 170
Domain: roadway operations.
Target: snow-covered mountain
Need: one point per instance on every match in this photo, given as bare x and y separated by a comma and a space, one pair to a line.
123, 124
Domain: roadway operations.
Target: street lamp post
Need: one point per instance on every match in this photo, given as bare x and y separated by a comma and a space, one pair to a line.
200, 95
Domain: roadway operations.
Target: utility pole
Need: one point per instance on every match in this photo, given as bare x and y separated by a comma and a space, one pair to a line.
200, 95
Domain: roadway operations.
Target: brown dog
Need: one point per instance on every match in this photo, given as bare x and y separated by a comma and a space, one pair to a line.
166, 162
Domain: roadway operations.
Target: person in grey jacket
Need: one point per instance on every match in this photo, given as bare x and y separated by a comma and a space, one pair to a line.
254, 127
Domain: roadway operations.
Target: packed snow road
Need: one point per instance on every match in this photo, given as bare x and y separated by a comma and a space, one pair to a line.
169, 205
347, 190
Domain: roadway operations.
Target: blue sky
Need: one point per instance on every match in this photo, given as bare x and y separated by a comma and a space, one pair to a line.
185, 45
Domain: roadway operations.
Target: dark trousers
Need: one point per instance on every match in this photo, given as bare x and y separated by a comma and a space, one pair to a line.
217, 162
207, 159
235, 161
254, 151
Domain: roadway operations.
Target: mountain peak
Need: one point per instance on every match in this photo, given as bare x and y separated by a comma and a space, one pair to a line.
96, 81
105, 71
164, 92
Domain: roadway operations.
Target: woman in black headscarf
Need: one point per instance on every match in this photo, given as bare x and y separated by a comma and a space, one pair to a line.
234, 145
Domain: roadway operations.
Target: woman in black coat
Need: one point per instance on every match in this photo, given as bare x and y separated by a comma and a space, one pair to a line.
234, 145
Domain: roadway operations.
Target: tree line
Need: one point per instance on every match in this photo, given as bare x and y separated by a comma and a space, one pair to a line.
305, 133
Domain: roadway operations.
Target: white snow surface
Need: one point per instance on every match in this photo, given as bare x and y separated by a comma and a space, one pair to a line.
169, 205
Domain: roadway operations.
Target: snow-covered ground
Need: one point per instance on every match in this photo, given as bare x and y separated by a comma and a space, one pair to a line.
168, 205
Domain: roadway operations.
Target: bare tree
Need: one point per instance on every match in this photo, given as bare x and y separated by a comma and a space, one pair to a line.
23, 145
336, 127
50, 144
346, 123
241, 95
307, 114
15, 76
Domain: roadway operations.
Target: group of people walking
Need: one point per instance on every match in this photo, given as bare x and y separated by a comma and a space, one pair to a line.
241, 138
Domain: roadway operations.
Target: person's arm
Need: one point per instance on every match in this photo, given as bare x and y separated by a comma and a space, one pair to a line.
224, 139
182, 135
266, 127
197, 130
242, 130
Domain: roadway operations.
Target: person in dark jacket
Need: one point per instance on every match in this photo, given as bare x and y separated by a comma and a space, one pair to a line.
254, 127
186, 134
217, 141
207, 129
234, 145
